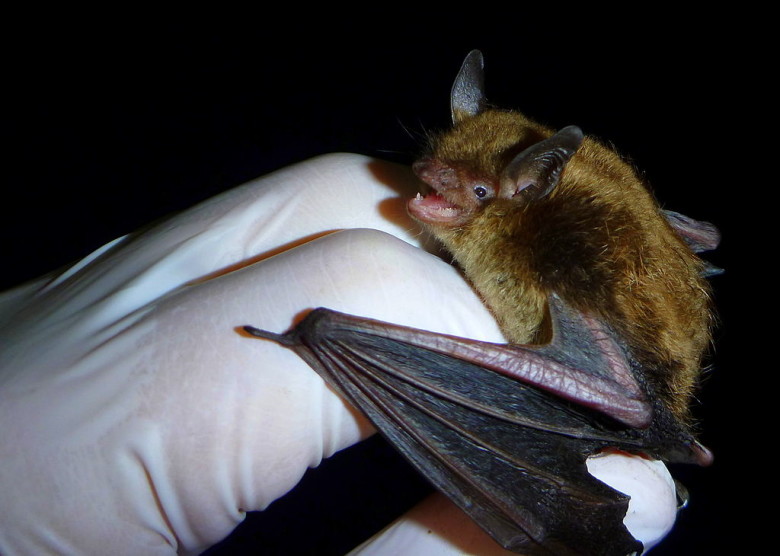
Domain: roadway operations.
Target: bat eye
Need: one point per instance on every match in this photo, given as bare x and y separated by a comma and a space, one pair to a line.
480, 191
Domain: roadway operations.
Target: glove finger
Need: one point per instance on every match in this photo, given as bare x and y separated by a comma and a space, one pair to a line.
241, 419
437, 527
245, 224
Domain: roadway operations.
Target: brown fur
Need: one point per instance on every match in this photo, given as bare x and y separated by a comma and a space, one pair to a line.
598, 240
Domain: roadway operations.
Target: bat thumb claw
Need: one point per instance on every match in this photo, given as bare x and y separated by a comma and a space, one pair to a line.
283, 339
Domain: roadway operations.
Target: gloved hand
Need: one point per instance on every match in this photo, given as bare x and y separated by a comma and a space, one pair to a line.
135, 419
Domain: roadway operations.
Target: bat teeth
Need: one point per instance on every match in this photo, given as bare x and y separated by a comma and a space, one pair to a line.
419, 197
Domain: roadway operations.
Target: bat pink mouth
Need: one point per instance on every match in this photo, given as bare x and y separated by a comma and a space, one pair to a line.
435, 209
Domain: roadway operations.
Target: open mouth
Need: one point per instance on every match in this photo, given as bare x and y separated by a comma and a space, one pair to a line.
431, 206
435, 209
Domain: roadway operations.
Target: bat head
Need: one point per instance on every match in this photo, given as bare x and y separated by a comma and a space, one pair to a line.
489, 154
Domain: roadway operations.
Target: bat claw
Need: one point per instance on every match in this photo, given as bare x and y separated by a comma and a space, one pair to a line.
286, 339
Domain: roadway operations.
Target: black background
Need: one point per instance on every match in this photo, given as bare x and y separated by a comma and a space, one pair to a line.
110, 126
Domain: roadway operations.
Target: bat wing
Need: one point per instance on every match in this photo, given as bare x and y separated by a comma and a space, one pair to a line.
504, 431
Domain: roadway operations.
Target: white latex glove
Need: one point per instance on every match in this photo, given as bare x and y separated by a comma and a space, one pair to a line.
136, 420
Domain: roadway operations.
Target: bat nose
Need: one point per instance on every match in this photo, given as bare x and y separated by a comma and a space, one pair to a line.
421, 167
435, 173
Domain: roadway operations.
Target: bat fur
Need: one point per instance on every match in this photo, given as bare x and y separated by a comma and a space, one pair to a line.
598, 239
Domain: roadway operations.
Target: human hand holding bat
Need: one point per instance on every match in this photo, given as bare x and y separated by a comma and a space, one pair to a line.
136, 419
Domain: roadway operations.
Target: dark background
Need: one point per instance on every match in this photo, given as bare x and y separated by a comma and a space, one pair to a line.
108, 127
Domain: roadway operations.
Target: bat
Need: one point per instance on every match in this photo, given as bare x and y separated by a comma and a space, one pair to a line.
602, 298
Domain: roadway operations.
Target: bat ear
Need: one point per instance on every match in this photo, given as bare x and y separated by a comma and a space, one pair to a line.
537, 170
468, 92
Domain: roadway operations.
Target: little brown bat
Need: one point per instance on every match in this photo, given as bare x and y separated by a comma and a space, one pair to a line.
526, 212
604, 302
